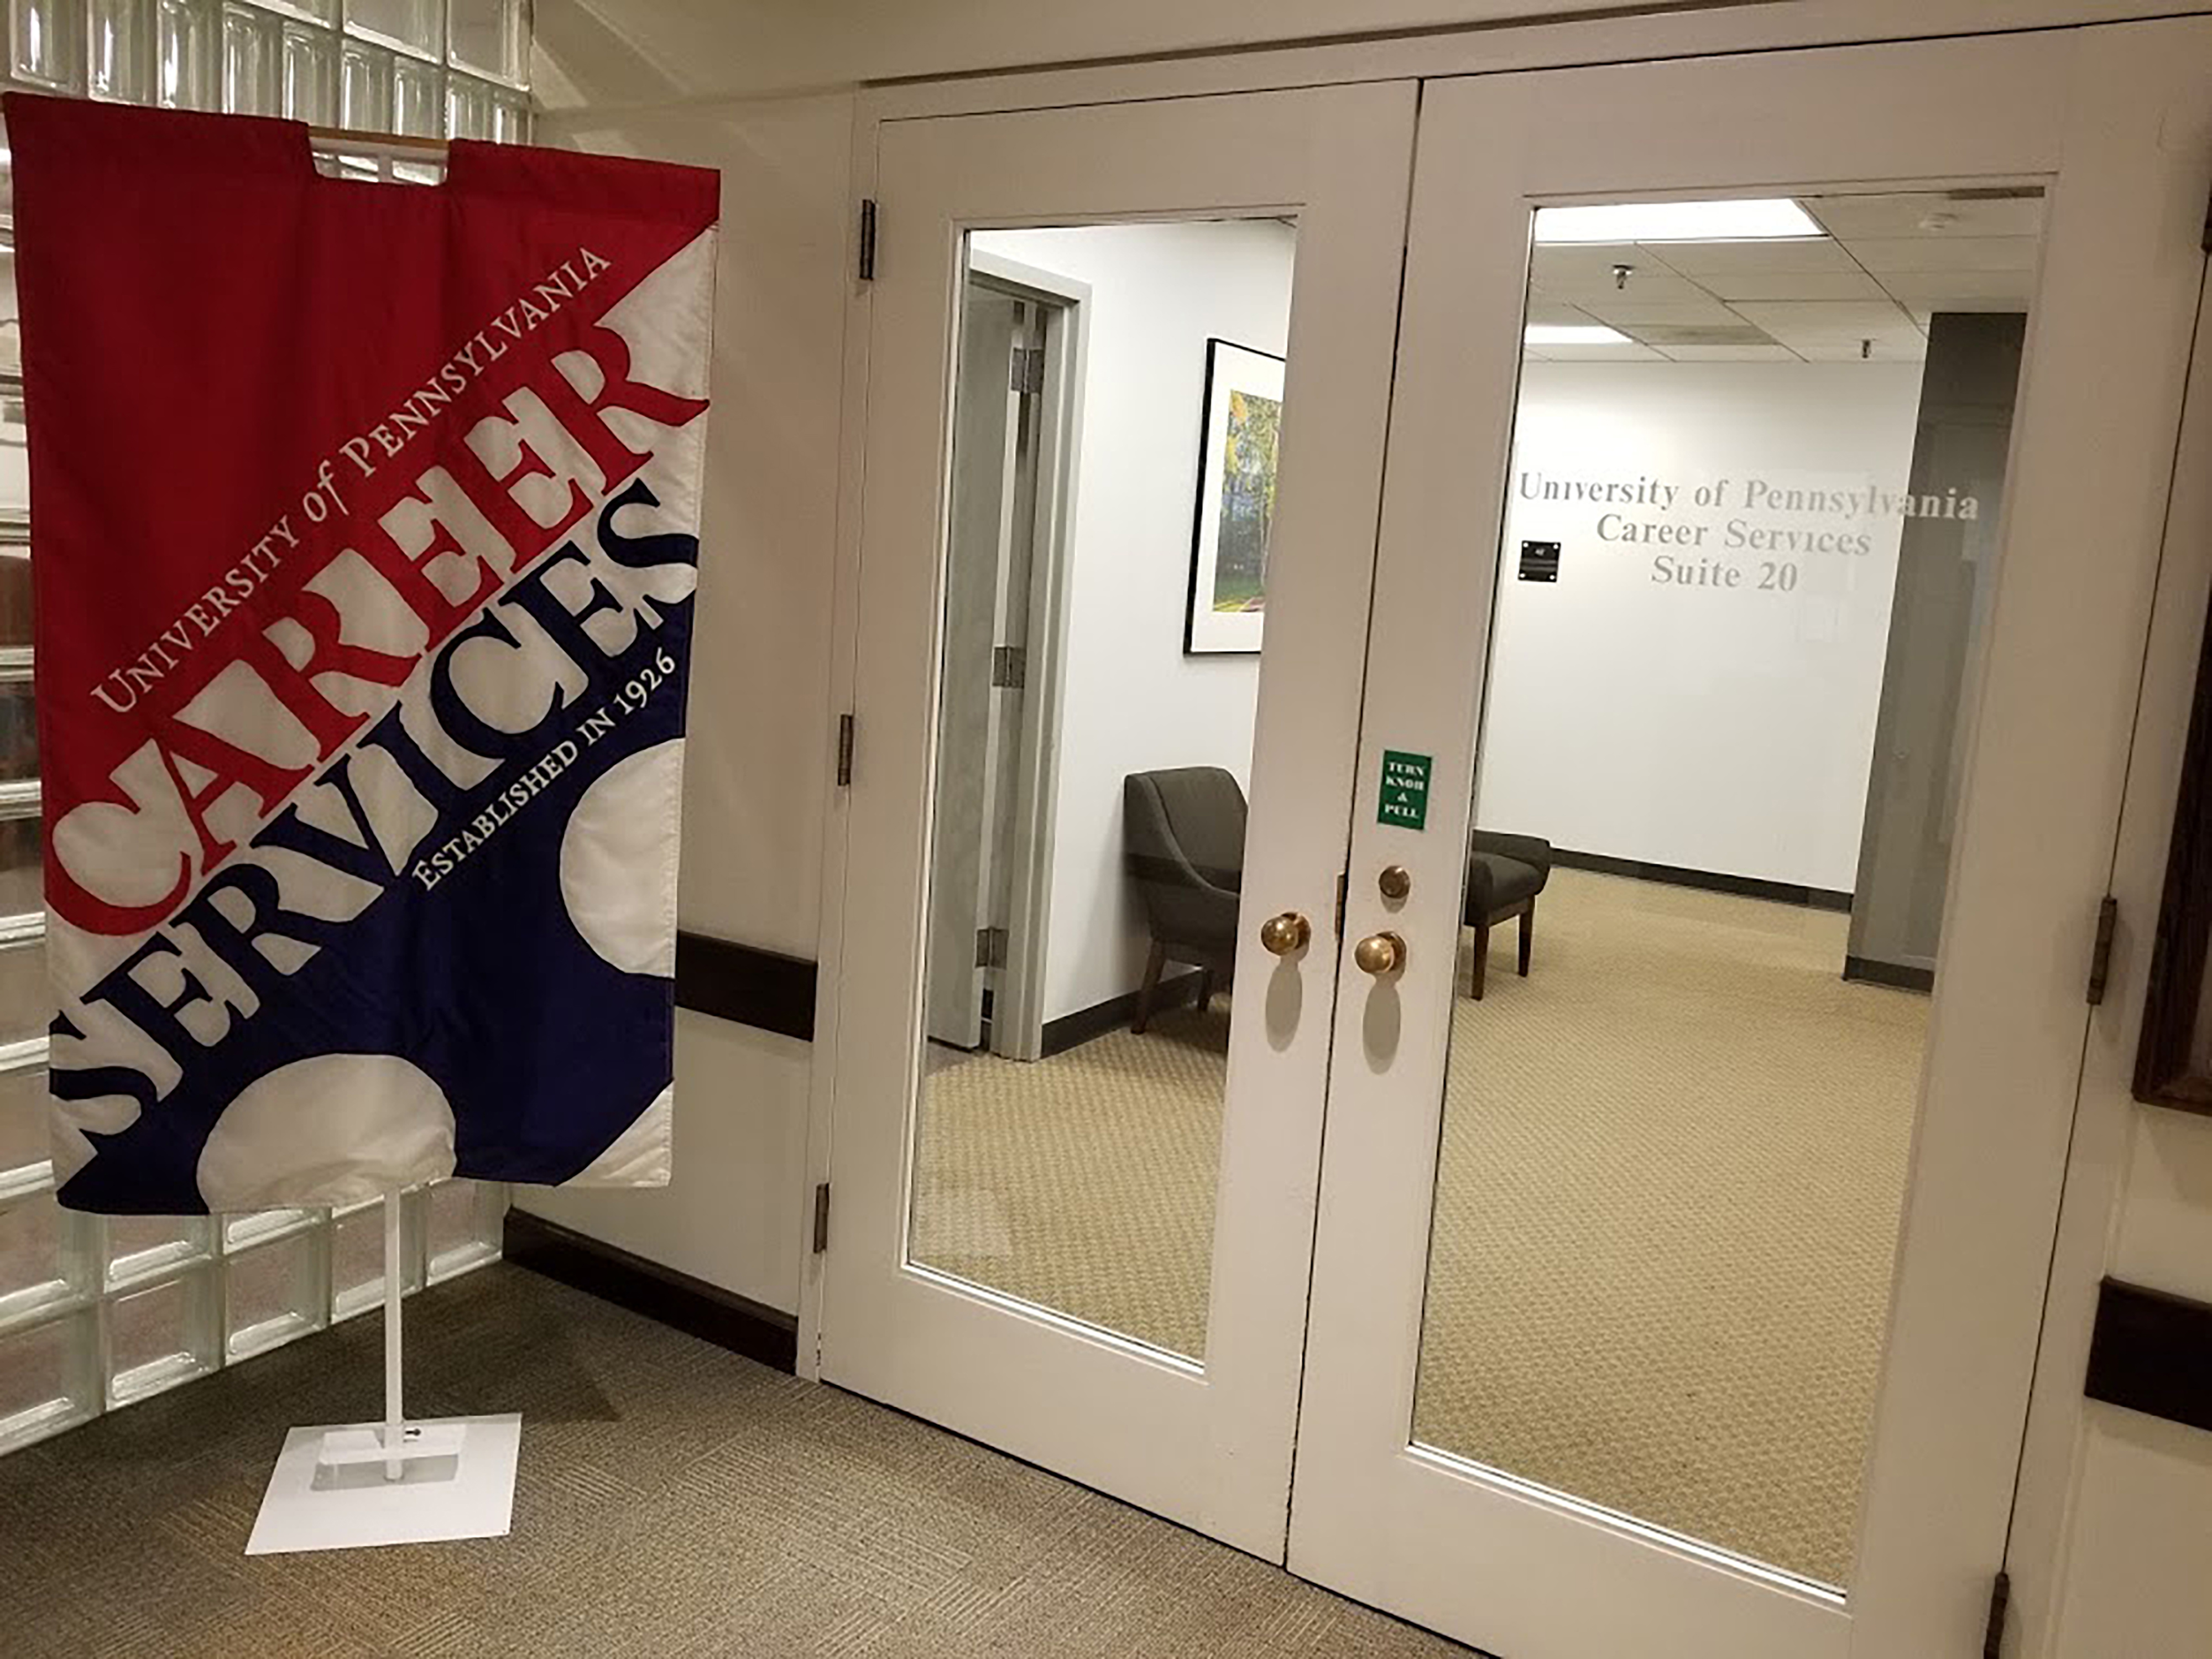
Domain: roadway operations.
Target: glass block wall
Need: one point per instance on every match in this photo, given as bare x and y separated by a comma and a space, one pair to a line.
98, 1312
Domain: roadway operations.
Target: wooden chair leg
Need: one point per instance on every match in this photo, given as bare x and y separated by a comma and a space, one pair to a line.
1527, 933
1481, 960
1153, 964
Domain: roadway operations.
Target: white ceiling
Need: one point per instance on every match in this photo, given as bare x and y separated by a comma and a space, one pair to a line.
1864, 291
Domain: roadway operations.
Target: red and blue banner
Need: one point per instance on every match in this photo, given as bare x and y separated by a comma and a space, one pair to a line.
364, 536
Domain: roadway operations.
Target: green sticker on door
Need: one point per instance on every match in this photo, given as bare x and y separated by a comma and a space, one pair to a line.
1405, 800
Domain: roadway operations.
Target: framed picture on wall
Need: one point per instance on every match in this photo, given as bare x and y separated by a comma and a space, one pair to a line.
1242, 421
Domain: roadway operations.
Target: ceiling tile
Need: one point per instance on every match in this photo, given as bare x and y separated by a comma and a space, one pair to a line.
1703, 259
1922, 310
1730, 354
1906, 350
1883, 255
1628, 353
1634, 308
1850, 217
1553, 311
1657, 286
1572, 264
1934, 289
1795, 285
1837, 322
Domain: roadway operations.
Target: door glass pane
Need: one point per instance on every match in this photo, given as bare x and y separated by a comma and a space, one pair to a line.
1094, 743
1750, 541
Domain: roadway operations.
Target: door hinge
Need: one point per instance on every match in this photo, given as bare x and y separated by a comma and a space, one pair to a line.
821, 1217
990, 947
1993, 1632
1010, 667
2101, 954
1026, 375
844, 751
867, 238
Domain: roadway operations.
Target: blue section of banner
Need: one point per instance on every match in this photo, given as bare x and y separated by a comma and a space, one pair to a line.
545, 1052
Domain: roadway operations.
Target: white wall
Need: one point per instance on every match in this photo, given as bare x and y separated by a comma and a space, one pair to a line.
755, 764
633, 53
1636, 714
1131, 700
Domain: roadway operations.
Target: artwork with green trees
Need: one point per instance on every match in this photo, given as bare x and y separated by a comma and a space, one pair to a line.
1247, 500
1236, 509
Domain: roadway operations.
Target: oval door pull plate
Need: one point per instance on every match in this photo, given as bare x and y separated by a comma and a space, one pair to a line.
1286, 933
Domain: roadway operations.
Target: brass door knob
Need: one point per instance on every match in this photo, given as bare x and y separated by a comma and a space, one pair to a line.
1285, 933
1380, 954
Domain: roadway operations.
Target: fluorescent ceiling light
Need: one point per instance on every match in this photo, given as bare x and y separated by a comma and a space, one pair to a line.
1677, 222
1572, 334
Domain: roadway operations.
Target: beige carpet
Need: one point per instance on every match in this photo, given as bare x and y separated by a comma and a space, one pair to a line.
674, 1502
1672, 1159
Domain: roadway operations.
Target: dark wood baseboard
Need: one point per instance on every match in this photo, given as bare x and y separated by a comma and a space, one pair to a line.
691, 1305
765, 989
1072, 1030
2152, 1352
1902, 975
1712, 881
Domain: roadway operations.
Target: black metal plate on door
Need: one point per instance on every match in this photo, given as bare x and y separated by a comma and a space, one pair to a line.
1539, 561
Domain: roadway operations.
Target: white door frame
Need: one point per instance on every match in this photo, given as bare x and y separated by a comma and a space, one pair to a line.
1488, 1558
2108, 1124
1018, 1015
1208, 1445
2114, 1136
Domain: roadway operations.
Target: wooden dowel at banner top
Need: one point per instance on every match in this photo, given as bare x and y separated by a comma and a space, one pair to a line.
395, 1427
353, 138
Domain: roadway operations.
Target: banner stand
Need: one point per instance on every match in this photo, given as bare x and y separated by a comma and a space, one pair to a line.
361, 1485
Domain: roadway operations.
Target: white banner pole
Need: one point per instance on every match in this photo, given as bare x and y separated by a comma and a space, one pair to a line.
395, 1417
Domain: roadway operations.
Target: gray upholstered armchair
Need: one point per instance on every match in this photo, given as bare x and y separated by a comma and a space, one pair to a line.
1183, 839
1505, 874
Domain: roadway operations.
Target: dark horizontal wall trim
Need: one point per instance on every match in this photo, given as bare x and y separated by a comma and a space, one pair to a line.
692, 1306
760, 988
1903, 974
1072, 1030
1675, 875
2152, 1352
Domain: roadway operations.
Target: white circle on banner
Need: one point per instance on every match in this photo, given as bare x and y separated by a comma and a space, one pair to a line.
329, 1129
618, 861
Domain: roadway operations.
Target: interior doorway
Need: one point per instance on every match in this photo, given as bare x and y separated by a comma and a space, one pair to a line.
1016, 394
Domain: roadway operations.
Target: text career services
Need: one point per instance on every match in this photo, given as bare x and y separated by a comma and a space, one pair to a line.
1637, 513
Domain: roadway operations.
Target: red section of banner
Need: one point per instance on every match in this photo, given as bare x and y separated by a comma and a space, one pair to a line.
359, 331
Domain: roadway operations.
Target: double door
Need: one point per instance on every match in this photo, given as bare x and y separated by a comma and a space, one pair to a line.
1563, 594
